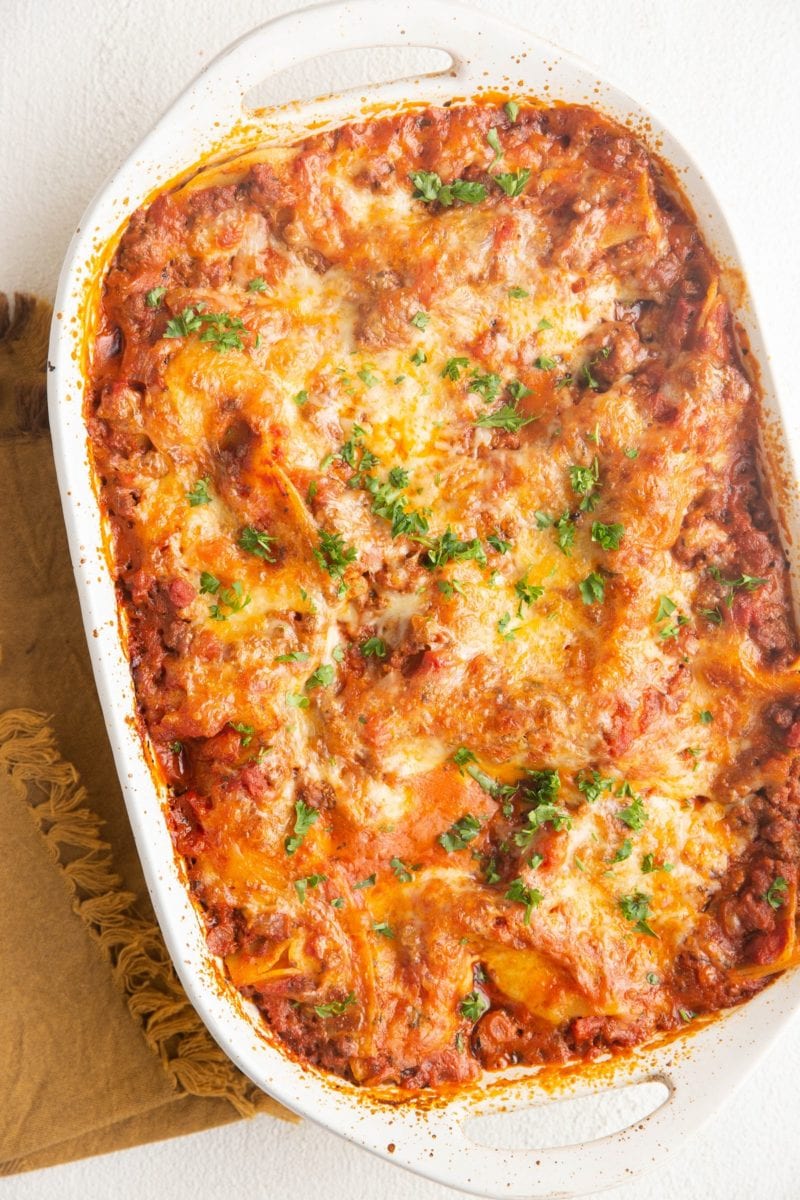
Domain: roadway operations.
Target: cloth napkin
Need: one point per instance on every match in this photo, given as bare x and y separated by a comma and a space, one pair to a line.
100, 1047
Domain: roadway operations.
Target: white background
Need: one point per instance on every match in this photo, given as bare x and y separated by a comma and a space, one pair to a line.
80, 82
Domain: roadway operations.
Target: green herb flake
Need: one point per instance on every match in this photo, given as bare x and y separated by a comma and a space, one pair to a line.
420, 319
636, 908
383, 928
257, 285
402, 872
365, 883
746, 583
650, 866
607, 536
494, 141
155, 296
304, 817
300, 398
634, 815
511, 109
245, 732
473, 1006
453, 367
293, 656
322, 677
460, 834
374, 647
334, 1008
705, 717
200, 493
775, 896
418, 357
257, 542
519, 892
624, 851
513, 182
301, 886
518, 293
592, 589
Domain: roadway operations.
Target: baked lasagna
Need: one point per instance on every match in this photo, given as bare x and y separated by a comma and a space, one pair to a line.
458, 618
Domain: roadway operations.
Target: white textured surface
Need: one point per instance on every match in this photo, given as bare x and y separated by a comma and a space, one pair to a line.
79, 83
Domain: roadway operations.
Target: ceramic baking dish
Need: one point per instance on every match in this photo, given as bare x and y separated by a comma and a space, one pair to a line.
697, 1073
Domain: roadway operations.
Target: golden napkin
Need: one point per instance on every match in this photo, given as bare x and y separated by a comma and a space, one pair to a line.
101, 1048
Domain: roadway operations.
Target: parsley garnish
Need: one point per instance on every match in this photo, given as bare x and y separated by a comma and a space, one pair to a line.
402, 872
705, 717
366, 376
636, 908
334, 1008
494, 141
650, 866
585, 483
513, 182
505, 417
712, 615
304, 817
453, 367
256, 285
257, 542
511, 109
473, 1006
528, 593
543, 363
485, 384
747, 583
176, 747
245, 732
607, 536
300, 398
631, 452
498, 543
155, 296
365, 883
232, 597
311, 881
624, 851
518, 293
420, 319
374, 647
565, 533
332, 554
294, 656
460, 834
200, 493
775, 896
449, 548
418, 357
634, 815
519, 891
383, 928
592, 784
295, 700
428, 187
592, 589
322, 677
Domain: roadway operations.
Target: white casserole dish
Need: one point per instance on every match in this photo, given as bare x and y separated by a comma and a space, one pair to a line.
699, 1072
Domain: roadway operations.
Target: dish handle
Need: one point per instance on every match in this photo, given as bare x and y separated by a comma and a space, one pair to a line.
465, 34
560, 1171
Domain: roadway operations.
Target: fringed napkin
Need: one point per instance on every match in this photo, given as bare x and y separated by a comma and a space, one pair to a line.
102, 1049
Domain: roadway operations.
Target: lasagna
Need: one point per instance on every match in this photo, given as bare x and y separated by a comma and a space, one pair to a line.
457, 615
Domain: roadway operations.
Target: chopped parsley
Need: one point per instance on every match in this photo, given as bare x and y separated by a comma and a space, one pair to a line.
518, 293
200, 493
176, 747
322, 677
650, 866
592, 589
775, 895
593, 784
418, 357
503, 628
631, 452
245, 732
232, 598
367, 377
332, 554
383, 928
257, 285
402, 872
155, 296
473, 1006
636, 908
511, 109
494, 141
295, 700
300, 398
374, 647
544, 363
293, 656
365, 883
624, 851
634, 815
712, 615
505, 417
453, 367
428, 186
460, 834
334, 1008
666, 610
519, 891
513, 182
485, 384
565, 533
585, 483
705, 717
301, 886
304, 817
257, 542
498, 543
528, 593
747, 583
449, 548
607, 536
420, 319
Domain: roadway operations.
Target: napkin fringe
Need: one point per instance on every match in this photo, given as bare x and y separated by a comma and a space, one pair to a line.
132, 944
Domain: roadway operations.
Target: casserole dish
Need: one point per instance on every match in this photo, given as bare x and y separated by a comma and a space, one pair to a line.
429, 1137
